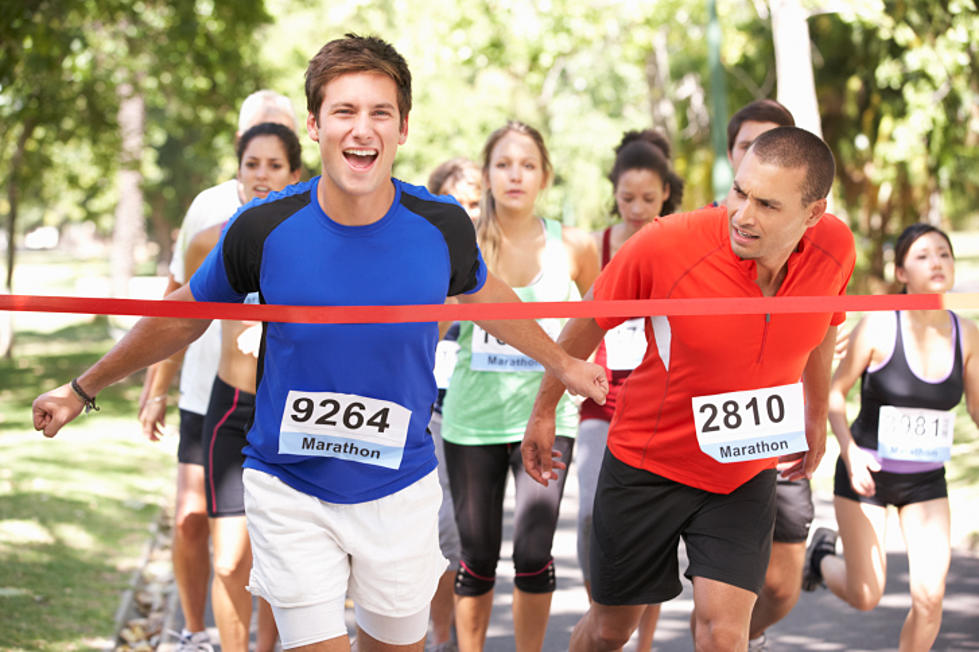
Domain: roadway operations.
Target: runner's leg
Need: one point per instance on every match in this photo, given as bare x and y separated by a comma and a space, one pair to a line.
190, 552
858, 577
534, 522
783, 583
605, 628
926, 534
478, 477
230, 600
721, 615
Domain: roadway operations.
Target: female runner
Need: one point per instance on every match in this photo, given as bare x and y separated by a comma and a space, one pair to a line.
915, 367
268, 160
644, 186
460, 178
493, 388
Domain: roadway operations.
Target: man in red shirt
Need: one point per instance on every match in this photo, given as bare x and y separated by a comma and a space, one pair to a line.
716, 401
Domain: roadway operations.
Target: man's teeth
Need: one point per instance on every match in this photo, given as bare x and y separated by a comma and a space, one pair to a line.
360, 152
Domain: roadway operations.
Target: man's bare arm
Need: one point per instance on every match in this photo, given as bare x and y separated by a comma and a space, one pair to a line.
815, 384
580, 377
152, 339
579, 338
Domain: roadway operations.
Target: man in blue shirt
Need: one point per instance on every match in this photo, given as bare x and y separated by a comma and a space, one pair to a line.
341, 494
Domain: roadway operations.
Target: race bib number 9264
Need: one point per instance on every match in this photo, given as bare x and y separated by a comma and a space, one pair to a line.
344, 426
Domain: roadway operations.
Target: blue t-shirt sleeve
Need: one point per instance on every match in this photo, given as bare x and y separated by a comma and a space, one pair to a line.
479, 274
211, 281
468, 267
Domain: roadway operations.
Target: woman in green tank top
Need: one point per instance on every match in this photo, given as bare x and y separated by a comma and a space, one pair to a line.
492, 391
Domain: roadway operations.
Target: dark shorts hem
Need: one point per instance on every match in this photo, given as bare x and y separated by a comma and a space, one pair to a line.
898, 489
229, 416
794, 511
190, 447
724, 576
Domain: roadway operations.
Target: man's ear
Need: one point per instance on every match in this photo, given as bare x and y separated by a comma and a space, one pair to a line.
404, 131
312, 128
815, 212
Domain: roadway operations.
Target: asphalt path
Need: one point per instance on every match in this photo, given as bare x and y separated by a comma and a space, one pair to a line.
819, 622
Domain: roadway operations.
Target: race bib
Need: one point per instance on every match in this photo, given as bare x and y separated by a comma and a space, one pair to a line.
625, 345
751, 425
492, 354
915, 434
445, 362
344, 426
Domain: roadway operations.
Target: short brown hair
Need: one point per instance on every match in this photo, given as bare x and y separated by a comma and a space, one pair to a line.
354, 53
764, 110
792, 147
452, 172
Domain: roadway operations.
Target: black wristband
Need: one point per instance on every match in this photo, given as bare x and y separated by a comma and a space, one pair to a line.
89, 401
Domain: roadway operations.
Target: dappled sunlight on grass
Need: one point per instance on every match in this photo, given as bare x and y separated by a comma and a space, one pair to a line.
19, 532
75, 511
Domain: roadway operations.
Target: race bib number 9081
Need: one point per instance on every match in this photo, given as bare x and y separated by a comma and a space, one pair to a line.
916, 434
752, 424
345, 426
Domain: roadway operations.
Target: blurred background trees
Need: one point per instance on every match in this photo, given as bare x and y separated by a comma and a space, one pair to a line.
896, 82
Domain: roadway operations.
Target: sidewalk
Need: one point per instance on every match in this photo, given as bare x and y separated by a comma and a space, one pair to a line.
819, 621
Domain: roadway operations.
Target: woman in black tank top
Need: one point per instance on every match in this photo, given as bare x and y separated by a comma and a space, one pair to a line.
914, 367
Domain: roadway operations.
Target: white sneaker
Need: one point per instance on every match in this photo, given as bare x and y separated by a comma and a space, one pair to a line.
759, 644
194, 642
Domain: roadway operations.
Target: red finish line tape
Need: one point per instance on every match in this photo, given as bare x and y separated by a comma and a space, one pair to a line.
486, 311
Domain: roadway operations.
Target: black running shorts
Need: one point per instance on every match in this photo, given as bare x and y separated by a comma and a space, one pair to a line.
639, 518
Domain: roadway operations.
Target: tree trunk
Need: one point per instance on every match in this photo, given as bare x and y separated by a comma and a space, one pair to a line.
6, 322
129, 232
793, 63
662, 108
163, 236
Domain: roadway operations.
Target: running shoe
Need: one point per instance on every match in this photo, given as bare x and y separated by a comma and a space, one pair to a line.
194, 642
759, 644
823, 543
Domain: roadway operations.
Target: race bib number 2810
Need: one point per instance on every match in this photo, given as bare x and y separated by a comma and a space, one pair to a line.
751, 425
345, 426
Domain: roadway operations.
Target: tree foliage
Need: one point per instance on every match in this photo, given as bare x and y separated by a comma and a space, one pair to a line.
62, 64
896, 81
899, 91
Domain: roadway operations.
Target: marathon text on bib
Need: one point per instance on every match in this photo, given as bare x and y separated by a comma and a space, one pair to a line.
492, 354
915, 434
625, 345
751, 425
344, 426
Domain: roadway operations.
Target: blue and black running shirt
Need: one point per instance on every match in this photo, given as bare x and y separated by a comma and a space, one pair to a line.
342, 409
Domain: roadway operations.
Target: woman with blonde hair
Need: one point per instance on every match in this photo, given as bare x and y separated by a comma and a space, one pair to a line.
493, 388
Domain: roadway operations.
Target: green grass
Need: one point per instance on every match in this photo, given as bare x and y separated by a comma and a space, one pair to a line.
75, 511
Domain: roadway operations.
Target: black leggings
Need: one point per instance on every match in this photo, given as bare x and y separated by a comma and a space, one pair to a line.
477, 476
